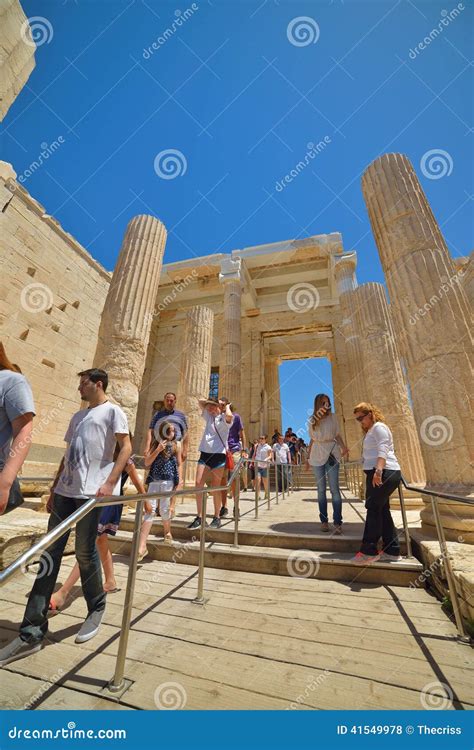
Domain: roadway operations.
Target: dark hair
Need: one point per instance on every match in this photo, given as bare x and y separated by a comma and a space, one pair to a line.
95, 376
169, 393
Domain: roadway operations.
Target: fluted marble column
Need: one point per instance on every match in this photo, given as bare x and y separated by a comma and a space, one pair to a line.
342, 388
128, 311
431, 322
194, 376
273, 399
352, 376
383, 376
231, 358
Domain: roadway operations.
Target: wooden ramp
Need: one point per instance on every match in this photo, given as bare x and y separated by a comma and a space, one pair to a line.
260, 642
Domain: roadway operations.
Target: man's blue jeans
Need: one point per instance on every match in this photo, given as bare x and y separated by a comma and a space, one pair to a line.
321, 473
35, 623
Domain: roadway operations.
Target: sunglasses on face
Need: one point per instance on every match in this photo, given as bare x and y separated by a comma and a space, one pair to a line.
359, 419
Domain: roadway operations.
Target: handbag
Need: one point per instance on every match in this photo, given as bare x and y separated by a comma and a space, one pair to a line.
229, 458
332, 460
15, 497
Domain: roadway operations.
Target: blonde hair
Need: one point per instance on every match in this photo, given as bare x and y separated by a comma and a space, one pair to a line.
366, 408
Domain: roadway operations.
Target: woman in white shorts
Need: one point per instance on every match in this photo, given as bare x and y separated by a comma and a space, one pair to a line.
164, 460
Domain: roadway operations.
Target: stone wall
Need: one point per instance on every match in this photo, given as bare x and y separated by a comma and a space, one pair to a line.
51, 297
17, 51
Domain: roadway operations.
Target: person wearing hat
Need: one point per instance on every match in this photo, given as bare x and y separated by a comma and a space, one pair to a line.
212, 458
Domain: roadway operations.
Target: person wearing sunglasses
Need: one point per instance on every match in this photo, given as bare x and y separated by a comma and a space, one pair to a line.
383, 476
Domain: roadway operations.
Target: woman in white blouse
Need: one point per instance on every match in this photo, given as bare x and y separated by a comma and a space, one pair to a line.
325, 450
383, 476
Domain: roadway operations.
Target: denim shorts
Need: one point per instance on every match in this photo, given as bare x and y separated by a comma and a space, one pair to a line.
212, 460
262, 472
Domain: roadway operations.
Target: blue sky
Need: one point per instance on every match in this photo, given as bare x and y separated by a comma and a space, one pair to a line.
240, 95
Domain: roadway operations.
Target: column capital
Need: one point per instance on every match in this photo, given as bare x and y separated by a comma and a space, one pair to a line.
344, 271
230, 269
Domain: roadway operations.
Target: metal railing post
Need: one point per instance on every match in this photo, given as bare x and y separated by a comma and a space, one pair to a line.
276, 483
268, 486
257, 489
202, 548
405, 521
118, 681
449, 572
237, 511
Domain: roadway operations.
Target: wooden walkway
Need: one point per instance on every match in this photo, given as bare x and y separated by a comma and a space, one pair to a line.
260, 642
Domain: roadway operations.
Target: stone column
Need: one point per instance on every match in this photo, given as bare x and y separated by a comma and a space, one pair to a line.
128, 311
231, 358
431, 323
194, 377
343, 394
353, 388
272, 391
384, 378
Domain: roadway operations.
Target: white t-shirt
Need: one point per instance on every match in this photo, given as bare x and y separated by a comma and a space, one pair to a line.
323, 436
281, 452
378, 443
91, 439
261, 455
212, 441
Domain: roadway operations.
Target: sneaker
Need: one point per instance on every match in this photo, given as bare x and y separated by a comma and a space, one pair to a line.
390, 558
361, 559
196, 524
337, 528
18, 649
324, 527
168, 539
215, 523
90, 627
223, 512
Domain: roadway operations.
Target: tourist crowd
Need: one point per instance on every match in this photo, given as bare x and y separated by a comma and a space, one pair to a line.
98, 461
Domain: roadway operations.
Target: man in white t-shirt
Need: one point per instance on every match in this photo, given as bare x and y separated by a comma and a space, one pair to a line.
282, 458
263, 456
87, 469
